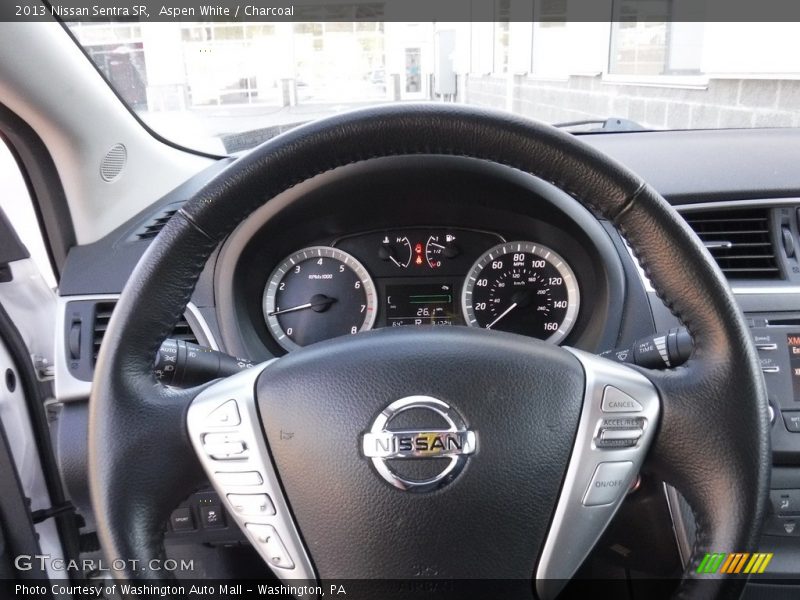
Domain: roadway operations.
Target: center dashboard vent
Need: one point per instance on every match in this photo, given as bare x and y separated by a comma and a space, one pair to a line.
740, 241
102, 315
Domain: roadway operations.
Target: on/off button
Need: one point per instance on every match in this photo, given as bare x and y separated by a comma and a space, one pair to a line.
609, 482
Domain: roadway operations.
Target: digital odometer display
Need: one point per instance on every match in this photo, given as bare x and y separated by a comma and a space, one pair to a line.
421, 304
522, 287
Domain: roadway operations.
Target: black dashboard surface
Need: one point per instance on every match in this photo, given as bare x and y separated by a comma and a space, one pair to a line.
708, 165
684, 166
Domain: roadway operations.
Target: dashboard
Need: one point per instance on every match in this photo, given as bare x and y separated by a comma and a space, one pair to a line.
438, 276
445, 241
418, 242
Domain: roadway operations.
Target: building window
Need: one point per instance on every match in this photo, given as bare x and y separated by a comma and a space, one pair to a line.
646, 41
502, 15
638, 48
551, 13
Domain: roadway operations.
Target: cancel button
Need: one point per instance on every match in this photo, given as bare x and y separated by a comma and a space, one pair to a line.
609, 482
615, 400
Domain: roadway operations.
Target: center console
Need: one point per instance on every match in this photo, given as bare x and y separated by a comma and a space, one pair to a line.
777, 339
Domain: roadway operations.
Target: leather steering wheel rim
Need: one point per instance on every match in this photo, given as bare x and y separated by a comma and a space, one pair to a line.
713, 439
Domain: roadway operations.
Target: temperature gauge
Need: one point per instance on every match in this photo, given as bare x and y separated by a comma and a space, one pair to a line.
439, 248
396, 250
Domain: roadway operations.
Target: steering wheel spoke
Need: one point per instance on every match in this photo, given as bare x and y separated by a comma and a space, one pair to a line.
618, 422
225, 430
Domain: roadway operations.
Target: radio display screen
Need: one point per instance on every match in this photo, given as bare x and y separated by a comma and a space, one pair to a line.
421, 304
793, 340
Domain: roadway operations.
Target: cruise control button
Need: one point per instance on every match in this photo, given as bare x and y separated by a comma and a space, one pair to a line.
609, 482
276, 552
618, 437
244, 478
606, 444
624, 423
225, 415
615, 400
620, 434
252, 504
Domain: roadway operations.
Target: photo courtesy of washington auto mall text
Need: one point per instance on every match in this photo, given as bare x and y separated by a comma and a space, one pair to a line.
109, 590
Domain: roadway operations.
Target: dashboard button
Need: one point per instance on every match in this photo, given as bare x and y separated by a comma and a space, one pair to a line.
181, 519
609, 482
211, 516
252, 504
785, 502
615, 400
225, 415
782, 526
276, 552
792, 420
243, 478
766, 347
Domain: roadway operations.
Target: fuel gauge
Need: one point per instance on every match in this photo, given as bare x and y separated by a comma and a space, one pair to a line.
439, 248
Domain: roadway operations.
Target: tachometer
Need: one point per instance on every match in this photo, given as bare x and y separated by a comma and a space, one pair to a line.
318, 293
524, 288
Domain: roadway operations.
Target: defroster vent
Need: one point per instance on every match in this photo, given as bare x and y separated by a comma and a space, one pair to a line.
151, 229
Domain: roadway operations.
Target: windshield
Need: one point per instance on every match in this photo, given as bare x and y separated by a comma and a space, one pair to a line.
225, 87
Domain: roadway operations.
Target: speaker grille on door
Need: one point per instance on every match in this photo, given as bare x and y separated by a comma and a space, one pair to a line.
113, 162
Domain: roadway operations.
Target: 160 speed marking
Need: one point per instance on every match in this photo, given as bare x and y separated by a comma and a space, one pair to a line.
524, 288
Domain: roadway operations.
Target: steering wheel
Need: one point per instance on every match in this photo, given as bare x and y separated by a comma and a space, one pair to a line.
460, 454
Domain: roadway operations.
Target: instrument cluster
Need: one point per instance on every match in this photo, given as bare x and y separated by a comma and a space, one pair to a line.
420, 277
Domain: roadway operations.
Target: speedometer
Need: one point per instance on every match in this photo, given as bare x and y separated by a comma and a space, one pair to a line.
318, 293
524, 288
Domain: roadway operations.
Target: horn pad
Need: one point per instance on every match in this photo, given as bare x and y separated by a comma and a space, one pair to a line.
520, 401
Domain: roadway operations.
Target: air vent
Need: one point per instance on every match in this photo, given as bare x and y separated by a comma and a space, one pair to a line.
102, 315
739, 240
182, 331
150, 229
